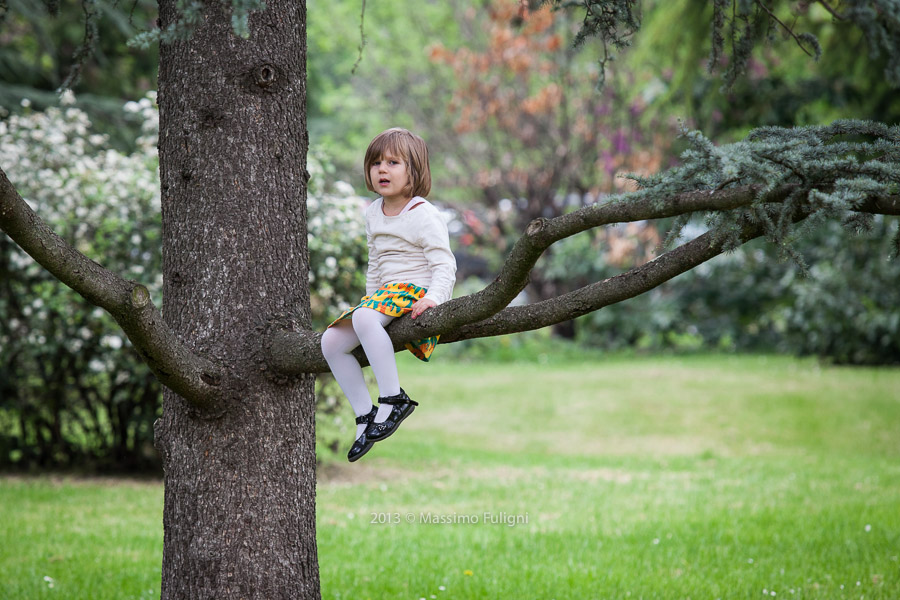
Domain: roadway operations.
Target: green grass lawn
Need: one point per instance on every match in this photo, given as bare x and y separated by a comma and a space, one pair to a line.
673, 477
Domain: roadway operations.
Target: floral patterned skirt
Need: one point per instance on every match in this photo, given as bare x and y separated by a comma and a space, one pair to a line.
396, 300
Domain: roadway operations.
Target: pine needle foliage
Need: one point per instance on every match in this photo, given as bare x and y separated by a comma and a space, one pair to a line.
830, 170
739, 26
190, 15
880, 21
612, 21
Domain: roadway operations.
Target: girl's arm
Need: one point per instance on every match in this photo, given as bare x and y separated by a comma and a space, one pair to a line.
435, 242
373, 276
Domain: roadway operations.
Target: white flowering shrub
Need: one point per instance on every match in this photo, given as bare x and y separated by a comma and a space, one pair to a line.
72, 389
337, 244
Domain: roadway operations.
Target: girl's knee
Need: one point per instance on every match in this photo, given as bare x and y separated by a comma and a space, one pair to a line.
339, 339
326, 343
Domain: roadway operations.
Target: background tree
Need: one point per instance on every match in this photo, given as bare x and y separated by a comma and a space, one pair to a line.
516, 126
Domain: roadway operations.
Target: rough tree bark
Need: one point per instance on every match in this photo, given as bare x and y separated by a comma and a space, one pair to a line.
239, 476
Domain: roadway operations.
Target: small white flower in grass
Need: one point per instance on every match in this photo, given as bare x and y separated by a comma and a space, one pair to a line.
655, 541
858, 583
749, 561
442, 588
49, 580
868, 528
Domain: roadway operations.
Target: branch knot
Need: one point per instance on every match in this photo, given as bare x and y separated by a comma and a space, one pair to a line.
536, 226
266, 75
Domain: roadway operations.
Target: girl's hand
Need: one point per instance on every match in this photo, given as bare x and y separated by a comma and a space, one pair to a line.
421, 306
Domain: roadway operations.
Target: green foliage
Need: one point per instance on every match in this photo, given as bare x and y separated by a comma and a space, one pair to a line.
843, 310
781, 86
190, 14
613, 21
394, 82
47, 51
880, 21
846, 309
745, 25
37, 57
754, 299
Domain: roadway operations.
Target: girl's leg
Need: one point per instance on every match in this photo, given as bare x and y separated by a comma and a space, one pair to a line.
337, 343
369, 327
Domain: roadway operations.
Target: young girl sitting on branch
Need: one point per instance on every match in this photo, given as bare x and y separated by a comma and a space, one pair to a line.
411, 269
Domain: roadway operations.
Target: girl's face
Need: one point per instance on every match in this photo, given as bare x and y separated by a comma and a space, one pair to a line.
390, 178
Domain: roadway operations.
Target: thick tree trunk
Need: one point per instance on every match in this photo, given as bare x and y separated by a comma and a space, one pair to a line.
240, 484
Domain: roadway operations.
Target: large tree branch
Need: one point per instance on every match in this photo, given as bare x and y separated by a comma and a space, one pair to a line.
626, 285
482, 314
593, 297
192, 377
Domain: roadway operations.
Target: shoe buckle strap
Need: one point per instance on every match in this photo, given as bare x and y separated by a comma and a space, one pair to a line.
364, 419
400, 398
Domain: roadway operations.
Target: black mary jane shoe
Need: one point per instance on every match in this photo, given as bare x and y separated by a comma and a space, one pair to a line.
362, 444
402, 408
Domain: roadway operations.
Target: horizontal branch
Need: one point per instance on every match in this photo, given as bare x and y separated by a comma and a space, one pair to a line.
482, 313
590, 298
192, 377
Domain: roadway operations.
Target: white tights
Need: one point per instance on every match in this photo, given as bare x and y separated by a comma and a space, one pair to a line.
366, 328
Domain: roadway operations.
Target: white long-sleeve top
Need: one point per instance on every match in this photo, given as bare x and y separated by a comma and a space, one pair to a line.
412, 247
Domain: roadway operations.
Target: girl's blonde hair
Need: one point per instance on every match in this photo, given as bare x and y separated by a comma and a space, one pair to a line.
401, 143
